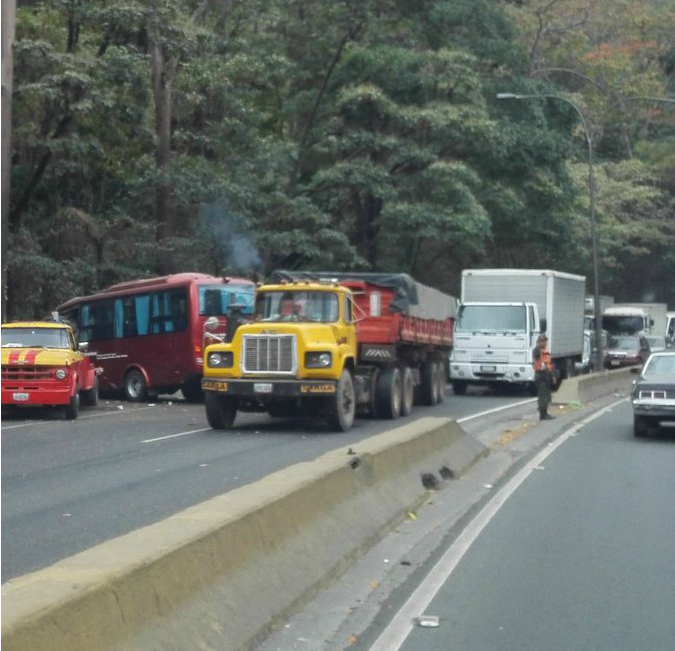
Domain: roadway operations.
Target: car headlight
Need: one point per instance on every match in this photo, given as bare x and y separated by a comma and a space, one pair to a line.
220, 360
318, 360
61, 374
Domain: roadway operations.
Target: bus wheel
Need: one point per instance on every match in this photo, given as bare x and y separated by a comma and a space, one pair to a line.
342, 406
90, 397
220, 410
407, 391
388, 393
135, 388
73, 407
192, 390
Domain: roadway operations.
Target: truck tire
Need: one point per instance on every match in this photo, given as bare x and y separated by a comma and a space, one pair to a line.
90, 397
72, 409
342, 406
388, 393
429, 384
407, 391
440, 382
135, 388
459, 387
220, 410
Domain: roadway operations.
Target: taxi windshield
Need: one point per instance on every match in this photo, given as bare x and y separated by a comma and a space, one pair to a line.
35, 338
319, 307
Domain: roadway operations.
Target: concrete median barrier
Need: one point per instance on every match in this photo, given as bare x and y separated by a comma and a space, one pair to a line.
585, 388
220, 574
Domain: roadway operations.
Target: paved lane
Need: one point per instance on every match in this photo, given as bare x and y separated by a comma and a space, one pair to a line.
69, 485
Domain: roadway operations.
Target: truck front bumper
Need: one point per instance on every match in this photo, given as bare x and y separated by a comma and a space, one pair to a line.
270, 388
32, 395
485, 372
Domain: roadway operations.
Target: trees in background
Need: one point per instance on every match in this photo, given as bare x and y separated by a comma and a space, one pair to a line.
241, 135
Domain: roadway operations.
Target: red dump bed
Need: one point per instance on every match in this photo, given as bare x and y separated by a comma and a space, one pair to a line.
393, 326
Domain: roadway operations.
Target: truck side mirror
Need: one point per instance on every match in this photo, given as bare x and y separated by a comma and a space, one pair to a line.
83, 346
542, 325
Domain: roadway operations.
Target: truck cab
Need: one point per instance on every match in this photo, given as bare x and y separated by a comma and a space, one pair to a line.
301, 344
43, 365
493, 343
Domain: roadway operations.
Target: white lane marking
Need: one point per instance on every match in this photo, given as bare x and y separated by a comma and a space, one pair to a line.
119, 412
173, 436
393, 637
497, 409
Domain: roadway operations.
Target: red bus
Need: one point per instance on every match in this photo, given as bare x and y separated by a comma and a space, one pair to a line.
148, 335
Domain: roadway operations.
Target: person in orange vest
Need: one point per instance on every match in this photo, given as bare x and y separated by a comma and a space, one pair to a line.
543, 376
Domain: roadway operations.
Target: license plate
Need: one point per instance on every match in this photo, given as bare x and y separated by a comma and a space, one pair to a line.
489, 369
262, 387
20, 397
615, 363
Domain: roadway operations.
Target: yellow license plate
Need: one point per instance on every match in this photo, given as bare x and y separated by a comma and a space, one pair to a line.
215, 385
317, 388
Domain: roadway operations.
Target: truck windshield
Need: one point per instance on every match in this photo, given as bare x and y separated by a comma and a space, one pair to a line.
35, 338
297, 306
623, 325
491, 318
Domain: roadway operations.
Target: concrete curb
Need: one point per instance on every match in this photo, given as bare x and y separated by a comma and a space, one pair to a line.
220, 574
585, 388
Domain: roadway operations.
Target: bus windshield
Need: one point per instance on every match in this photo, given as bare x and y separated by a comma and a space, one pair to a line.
491, 318
35, 338
215, 300
297, 306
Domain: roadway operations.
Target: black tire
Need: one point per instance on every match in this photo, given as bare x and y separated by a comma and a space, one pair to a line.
220, 410
72, 409
342, 406
429, 383
90, 397
192, 390
440, 382
459, 387
135, 388
407, 391
388, 394
640, 426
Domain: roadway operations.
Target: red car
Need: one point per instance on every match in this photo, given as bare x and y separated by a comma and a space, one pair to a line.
626, 351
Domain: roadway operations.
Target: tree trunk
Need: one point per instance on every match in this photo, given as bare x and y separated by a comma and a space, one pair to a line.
8, 24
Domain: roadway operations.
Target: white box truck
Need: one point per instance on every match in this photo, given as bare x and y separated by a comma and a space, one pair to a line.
635, 319
501, 313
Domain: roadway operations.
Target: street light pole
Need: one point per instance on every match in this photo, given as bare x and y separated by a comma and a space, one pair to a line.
594, 234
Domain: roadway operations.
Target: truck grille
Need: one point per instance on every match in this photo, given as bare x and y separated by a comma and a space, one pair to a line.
26, 373
269, 354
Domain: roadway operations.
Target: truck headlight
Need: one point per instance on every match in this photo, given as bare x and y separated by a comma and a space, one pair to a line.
318, 360
220, 360
61, 374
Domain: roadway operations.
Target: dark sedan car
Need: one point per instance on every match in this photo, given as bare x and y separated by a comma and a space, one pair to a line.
653, 393
626, 351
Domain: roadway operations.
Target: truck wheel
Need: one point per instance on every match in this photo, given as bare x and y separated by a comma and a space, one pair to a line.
459, 387
90, 397
220, 410
342, 406
388, 393
440, 382
73, 407
407, 391
135, 388
429, 387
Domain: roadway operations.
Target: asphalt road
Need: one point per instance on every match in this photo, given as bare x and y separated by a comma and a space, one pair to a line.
570, 549
69, 485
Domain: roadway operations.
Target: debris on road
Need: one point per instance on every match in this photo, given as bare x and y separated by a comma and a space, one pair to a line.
428, 621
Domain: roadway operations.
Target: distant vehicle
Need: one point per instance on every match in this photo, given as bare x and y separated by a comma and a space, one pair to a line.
149, 334
653, 394
626, 351
656, 344
43, 365
501, 314
635, 319
670, 326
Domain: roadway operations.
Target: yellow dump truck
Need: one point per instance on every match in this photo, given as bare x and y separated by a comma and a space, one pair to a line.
329, 345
